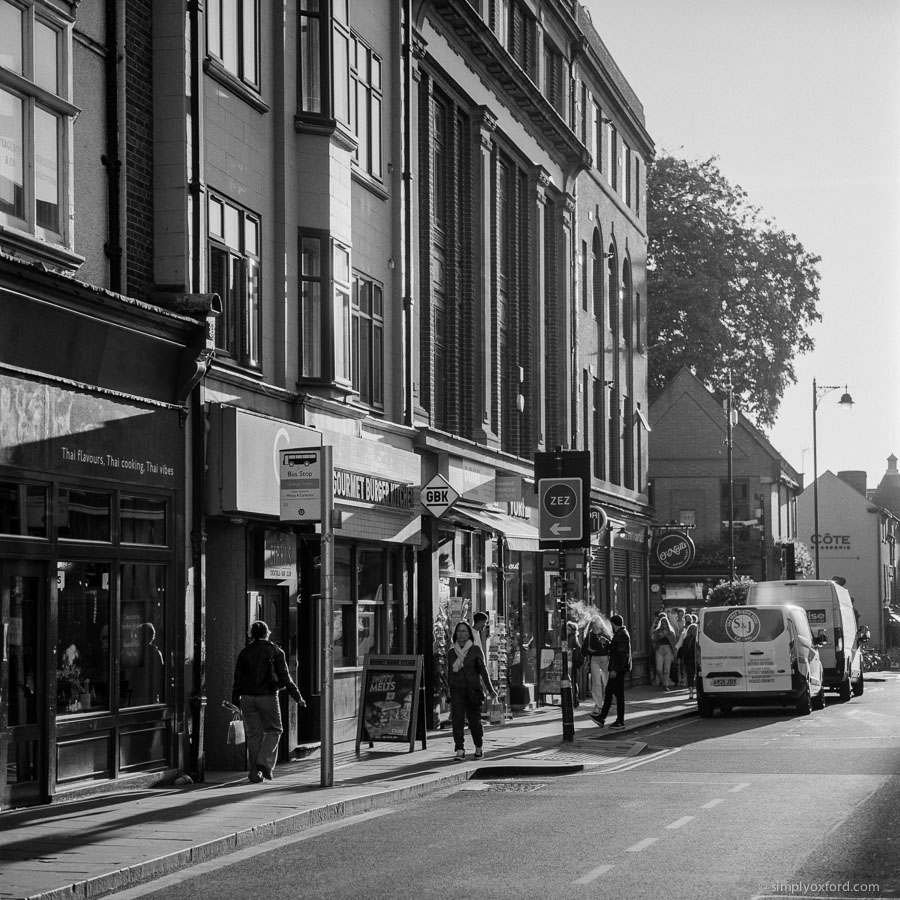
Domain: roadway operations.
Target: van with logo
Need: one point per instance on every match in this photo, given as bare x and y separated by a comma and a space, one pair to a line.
829, 608
757, 656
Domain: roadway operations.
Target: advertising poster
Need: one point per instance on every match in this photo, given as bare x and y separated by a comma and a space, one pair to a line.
389, 702
551, 671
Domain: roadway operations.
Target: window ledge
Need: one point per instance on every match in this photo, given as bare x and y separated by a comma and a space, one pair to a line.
249, 95
366, 181
34, 250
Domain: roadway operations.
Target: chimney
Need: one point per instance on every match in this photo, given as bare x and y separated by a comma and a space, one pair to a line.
856, 479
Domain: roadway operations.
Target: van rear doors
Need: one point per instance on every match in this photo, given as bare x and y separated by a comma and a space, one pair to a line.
744, 650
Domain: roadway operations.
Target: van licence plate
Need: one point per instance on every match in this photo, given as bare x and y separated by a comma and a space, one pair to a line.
723, 682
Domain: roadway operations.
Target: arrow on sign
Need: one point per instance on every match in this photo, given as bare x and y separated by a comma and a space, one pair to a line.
558, 529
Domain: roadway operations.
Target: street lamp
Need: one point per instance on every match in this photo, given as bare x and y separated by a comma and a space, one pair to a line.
846, 401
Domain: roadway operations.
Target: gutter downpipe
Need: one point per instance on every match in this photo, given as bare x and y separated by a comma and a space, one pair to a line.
408, 300
198, 698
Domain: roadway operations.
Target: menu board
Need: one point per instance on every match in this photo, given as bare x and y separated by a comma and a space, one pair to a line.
551, 671
389, 699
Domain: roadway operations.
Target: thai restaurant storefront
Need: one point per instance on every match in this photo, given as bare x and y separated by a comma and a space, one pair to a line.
259, 567
92, 462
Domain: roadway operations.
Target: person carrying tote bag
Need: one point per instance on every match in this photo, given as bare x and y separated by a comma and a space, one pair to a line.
467, 673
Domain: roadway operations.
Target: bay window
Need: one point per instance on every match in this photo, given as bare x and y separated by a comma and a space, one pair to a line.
232, 37
35, 121
368, 340
234, 264
325, 309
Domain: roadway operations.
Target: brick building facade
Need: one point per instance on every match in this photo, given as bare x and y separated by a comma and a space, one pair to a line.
415, 234
689, 476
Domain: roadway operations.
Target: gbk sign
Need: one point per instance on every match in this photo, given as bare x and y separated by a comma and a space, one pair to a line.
438, 496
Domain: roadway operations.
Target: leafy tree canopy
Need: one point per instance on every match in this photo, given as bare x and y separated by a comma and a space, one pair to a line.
728, 292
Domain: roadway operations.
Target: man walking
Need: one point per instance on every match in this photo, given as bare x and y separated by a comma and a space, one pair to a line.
619, 666
260, 673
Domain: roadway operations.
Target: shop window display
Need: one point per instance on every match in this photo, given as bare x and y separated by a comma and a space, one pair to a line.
83, 654
142, 635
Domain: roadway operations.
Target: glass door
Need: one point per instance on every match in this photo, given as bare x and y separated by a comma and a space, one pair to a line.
23, 684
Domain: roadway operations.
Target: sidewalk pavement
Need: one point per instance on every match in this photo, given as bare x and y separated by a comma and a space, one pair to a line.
87, 848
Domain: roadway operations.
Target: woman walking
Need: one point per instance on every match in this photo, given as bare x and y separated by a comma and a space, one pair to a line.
663, 636
466, 673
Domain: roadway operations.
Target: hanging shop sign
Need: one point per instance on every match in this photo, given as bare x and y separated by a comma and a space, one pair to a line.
674, 551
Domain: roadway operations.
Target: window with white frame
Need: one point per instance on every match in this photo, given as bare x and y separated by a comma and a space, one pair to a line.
232, 37
234, 263
366, 105
35, 120
351, 90
368, 340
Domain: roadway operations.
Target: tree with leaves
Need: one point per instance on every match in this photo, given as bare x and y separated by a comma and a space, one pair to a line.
730, 295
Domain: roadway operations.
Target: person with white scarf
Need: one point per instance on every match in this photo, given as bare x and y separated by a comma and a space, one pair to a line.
466, 670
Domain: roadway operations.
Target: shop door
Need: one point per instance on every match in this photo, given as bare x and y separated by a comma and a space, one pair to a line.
23, 684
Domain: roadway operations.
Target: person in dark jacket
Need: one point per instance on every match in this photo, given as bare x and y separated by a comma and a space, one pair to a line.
466, 669
619, 667
260, 673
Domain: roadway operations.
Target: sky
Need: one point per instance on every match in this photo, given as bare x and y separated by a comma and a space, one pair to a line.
800, 102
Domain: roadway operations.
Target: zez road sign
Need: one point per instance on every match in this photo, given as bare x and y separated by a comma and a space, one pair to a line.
560, 509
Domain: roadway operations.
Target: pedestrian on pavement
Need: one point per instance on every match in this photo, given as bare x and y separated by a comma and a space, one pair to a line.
688, 651
573, 644
619, 667
466, 672
481, 632
260, 673
663, 637
596, 649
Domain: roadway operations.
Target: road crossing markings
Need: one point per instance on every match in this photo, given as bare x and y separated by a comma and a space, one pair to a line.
641, 845
713, 803
678, 823
593, 875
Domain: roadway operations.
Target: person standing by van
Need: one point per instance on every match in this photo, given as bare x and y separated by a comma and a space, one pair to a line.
663, 636
619, 667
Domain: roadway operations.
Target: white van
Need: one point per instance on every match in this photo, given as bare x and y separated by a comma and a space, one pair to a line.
757, 656
828, 606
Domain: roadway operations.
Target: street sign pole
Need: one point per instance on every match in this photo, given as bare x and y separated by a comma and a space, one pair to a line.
327, 574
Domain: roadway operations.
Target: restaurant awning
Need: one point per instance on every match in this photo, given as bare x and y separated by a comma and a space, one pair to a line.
519, 535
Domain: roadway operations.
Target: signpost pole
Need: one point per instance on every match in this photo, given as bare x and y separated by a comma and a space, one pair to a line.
326, 724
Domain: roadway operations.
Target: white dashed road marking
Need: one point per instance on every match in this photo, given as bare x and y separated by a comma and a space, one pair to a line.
678, 823
592, 875
641, 845
713, 803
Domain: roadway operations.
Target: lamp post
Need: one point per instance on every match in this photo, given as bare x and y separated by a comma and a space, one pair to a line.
846, 401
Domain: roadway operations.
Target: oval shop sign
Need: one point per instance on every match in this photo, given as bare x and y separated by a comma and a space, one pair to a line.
674, 551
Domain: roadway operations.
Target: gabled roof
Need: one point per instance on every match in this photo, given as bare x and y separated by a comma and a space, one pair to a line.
686, 383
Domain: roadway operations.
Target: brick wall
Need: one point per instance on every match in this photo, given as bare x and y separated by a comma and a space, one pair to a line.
138, 163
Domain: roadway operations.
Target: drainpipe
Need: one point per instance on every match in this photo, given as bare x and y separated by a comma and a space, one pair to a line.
198, 698
112, 158
408, 301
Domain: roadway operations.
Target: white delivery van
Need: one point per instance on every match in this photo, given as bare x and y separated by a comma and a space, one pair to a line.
828, 606
757, 656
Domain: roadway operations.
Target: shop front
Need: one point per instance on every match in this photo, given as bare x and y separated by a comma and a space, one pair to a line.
619, 578
260, 567
481, 556
91, 569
